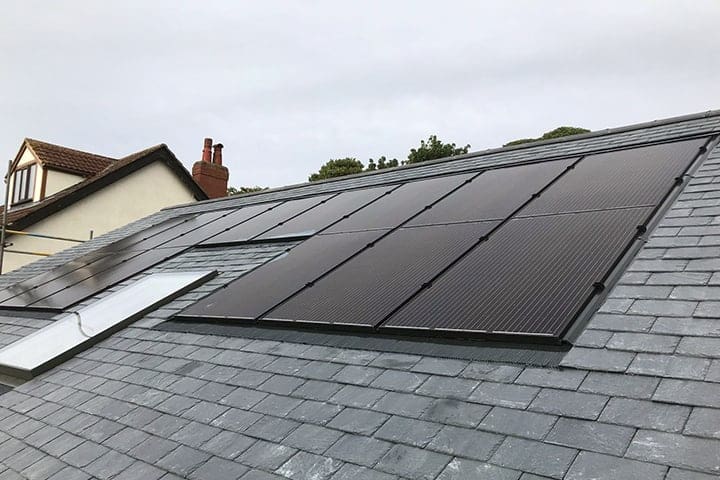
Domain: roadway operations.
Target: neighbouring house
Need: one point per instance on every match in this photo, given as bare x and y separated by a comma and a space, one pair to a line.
61, 192
544, 311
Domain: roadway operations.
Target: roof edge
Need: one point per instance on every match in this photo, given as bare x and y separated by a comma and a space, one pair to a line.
481, 153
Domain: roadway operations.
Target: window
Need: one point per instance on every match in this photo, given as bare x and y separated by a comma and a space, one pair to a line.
24, 184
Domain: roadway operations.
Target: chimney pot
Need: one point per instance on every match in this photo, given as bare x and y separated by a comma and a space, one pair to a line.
209, 173
207, 145
217, 154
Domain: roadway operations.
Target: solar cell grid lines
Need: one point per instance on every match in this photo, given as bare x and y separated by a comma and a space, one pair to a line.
326, 213
624, 178
403, 203
494, 194
532, 276
258, 291
365, 289
269, 219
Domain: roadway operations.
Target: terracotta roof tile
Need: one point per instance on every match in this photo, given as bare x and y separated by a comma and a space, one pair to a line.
68, 159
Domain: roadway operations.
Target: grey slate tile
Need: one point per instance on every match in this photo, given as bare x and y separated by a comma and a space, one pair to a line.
396, 361
281, 384
413, 462
183, 460
152, 449
354, 472
266, 455
672, 366
271, 428
409, 431
236, 419
194, 434
358, 449
455, 412
504, 395
83, 454
645, 414
619, 385
597, 359
276, 405
604, 467
447, 387
360, 397
687, 392
357, 375
643, 342
69, 473
312, 438
317, 390
663, 308
680, 474
43, 468
403, 404
593, 338
308, 465
517, 422
621, 323
534, 457
493, 372
465, 442
463, 469
440, 366
358, 421
591, 435
219, 468
699, 347
243, 398
227, 444
690, 326
569, 404
554, 378
704, 422
676, 450
109, 465
139, 470
398, 380
315, 412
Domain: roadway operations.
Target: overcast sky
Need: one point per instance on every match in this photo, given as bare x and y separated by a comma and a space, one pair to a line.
285, 86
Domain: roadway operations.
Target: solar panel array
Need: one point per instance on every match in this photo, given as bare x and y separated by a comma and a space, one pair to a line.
516, 250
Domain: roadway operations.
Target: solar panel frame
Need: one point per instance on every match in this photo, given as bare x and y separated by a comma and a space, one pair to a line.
256, 292
640, 176
537, 249
381, 277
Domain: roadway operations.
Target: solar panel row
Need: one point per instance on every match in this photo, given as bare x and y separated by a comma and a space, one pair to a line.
512, 250
515, 250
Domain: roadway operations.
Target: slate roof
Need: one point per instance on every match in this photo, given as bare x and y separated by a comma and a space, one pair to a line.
638, 396
100, 172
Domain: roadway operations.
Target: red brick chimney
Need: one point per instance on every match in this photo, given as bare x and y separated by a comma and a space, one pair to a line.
211, 175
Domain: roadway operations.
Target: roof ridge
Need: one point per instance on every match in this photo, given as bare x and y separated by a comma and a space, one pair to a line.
54, 145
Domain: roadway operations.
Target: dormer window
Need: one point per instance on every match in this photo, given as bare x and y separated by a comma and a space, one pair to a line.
24, 184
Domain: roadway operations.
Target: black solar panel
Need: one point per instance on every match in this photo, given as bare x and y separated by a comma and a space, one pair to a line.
76, 292
152, 236
326, 213
218, 223
494, 194
532, 276
261, 223
404, 202
263, 288
634, 177
367, 288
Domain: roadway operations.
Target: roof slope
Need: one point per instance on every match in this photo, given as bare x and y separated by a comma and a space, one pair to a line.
24, 216
638, 396
68, 159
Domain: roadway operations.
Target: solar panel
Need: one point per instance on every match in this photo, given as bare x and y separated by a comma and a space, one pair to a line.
532, 276
363, 291
494, 194
74, 332
261, 223
391, 210
633, 177
326, 213
84, 283
263, 288
152, 236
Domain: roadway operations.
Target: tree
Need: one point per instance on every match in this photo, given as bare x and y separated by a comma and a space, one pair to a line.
556, 133
433, 149
239, 191
381, 164
337, 168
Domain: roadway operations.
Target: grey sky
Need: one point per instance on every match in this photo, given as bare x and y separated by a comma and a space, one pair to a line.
288, 85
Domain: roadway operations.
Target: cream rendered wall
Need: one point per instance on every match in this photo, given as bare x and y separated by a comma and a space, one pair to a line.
139, 194
57, 181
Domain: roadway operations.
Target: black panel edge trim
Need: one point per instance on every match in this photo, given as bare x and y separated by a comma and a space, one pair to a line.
577, 326
526, 354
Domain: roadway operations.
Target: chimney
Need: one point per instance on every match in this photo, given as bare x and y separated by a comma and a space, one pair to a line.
211, 175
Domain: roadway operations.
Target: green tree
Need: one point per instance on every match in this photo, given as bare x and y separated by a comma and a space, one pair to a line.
381, 164
556, 133
337, 168
241, 190
433, 149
